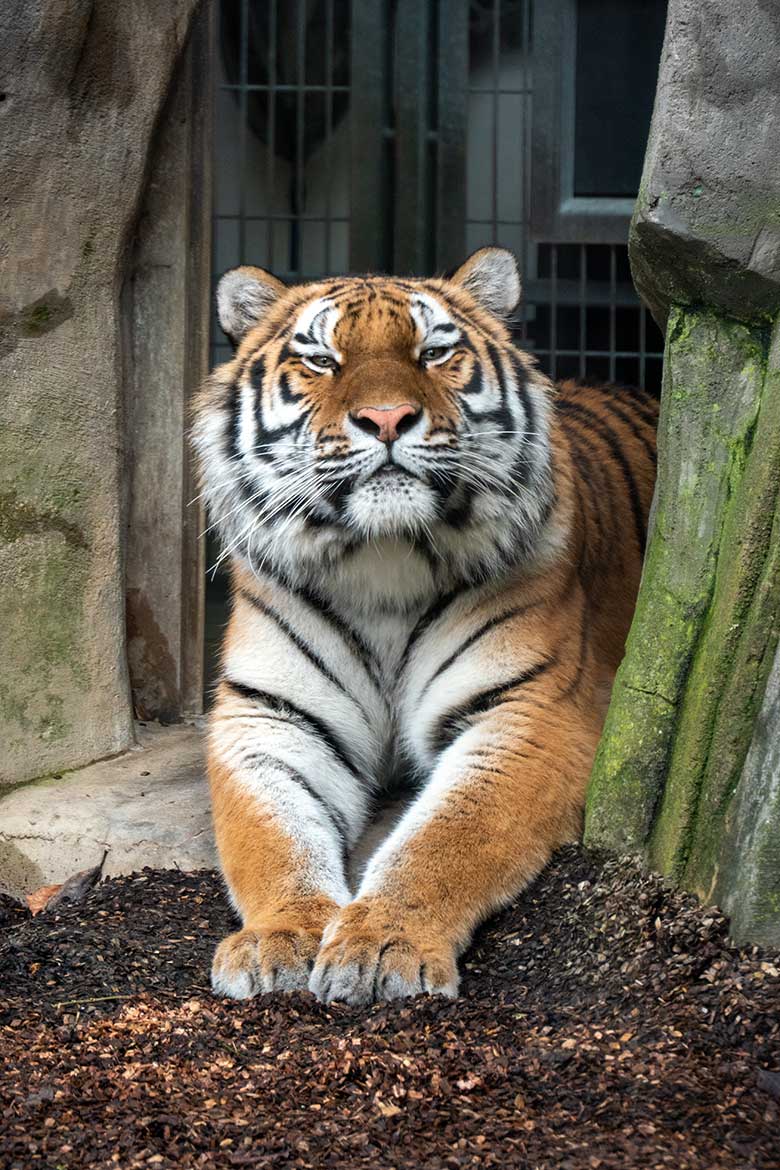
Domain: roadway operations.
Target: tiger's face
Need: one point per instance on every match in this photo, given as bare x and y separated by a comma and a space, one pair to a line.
368, 410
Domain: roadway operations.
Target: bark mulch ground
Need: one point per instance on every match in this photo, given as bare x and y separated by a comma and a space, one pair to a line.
603, 1022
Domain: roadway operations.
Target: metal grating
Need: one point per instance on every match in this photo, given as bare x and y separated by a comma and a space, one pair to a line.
281, 195
399, 151
580, 314
586, 321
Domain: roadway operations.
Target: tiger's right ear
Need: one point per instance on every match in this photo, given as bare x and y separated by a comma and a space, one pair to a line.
491, 276
244, 295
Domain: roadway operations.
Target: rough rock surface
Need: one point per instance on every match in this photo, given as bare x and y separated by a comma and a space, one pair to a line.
669, 781
685, 775
83, 83
750, 875
707, 223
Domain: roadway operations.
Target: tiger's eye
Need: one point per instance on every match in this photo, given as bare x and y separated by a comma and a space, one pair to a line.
434, 352
323, 361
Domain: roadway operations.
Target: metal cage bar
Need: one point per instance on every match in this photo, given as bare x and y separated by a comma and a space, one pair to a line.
272, 91
412, 234
452, 112
370, 222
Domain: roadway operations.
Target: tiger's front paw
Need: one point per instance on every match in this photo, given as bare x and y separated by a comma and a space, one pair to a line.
370, 953
253, 961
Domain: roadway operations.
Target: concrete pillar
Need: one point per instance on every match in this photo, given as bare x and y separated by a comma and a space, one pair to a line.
85, 81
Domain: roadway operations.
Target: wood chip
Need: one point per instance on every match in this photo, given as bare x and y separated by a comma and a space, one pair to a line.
616, 1030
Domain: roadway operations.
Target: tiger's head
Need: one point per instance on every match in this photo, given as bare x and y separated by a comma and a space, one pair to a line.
368, 416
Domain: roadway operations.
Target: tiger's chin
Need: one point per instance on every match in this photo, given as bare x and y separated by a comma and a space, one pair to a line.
391, 503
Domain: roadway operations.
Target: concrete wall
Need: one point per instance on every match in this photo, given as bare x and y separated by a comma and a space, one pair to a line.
84, 84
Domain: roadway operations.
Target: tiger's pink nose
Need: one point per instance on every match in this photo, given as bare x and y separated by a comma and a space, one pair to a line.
386, 423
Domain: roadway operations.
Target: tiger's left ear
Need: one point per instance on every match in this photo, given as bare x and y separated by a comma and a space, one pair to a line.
492, 277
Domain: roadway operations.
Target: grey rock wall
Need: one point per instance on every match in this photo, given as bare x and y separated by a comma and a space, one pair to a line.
687, 770
84, 82
707, 224
749, 881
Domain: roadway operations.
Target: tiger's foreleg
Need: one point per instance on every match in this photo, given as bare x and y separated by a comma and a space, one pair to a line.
284, 817
506, 793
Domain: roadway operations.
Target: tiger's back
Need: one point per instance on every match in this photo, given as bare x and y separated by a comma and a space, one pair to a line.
609, 435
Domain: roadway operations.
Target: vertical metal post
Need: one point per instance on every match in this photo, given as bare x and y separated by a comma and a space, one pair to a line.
270, 201
368, 210
453, 80
525, 148
612, 307
553, 311
412, 232
243, 101
496, 102
328, 128
200, 212
297, 225
583, 309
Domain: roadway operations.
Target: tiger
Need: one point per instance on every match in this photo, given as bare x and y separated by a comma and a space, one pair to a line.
434, 556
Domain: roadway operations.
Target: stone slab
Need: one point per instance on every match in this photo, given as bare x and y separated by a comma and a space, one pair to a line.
749, 878
149, 806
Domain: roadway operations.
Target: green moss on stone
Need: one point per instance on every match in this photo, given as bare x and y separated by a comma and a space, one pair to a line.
19, 518
37, 318
45, 314
43, 622
719, 489
632, 760
687, 697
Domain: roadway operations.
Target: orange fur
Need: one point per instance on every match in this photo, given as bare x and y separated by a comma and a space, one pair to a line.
562, 617
283, 920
